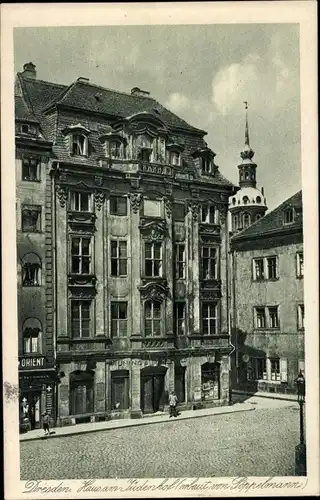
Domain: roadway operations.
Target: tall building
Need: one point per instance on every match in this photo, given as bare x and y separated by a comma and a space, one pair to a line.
249, 203
268, 300
139, 240
37, 373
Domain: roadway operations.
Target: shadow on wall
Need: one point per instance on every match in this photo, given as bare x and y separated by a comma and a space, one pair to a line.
248, 366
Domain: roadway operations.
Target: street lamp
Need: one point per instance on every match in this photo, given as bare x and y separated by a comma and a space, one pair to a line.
301, 449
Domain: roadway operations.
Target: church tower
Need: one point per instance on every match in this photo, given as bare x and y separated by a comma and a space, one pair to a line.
249, 204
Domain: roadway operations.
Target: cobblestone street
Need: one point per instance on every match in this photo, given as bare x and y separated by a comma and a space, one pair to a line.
256, 443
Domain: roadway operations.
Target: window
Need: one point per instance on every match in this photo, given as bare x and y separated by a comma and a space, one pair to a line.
30, 169
235, 222
260, 317
180, 260
246, 220
178, 212
258, 269
261, 368
174, 158
208, 214
80, 202
206, 166
209, 263
273, 317
275, 368
118, 258
180, 308
25, 129
119, 319
31, 218
31, 268
79, 145
120, 390
245, 199
152, 318
300, 265
145, 154
118, 205
258, 216
80, 318
288, 216
80, 255
209, 318
115, 149
153, 259
301, 316
272, 268
32, 336
151, 208
265, 268
258, 199
81, 392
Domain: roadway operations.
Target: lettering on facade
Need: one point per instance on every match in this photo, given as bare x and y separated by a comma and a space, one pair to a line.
31, 363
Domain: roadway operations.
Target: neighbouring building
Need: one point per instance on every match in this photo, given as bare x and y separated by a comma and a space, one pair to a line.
37, 373
268, 300
138, 233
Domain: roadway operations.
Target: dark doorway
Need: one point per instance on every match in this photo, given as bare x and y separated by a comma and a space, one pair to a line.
81, 392
180, 383
152, 389
34, 410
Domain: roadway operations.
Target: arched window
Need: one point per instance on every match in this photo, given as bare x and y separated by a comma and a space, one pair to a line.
235, 222
145, 147
32, 330
245, 200
31, 270
247, 175
246, 220
81, 392
152, 318
233, 201
258, 216
258, 199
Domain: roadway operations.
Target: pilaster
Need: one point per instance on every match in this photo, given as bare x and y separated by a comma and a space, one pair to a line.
193, 223
224, 303
224, 379
99, 267
168, 266
62, 260
100, 387
135, 243
135, 391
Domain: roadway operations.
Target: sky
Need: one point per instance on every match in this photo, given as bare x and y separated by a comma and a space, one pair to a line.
203, 73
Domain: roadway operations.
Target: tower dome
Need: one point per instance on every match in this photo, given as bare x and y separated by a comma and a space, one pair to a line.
249, 203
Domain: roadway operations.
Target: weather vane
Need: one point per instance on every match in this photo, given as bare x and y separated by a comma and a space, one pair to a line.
246, 104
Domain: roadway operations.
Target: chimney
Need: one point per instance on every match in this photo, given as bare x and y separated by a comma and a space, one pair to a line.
29, 70
262, 191
137, 91
82, 79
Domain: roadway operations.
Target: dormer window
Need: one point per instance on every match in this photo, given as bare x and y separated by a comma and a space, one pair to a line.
206, 166
245, 200
25, 129
289, 216
79, 145
115, 149
145, 154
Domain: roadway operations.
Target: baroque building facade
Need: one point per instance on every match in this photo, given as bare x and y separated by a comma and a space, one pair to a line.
139, 240
268, 301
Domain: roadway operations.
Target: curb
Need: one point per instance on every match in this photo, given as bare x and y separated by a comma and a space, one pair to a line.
136, 424
265, 396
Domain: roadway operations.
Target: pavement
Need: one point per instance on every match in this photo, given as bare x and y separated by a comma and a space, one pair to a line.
251, 403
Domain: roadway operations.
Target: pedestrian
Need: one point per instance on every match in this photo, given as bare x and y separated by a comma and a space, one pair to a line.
45, 423
173, 400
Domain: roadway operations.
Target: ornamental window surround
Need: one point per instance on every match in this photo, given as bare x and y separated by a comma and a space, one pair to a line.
32, 336
209, 318
31, 270
209, 260
118, 205
78, 144
80, 201
31, 169
153, 259
208, 214
81, 255
119, 258
31, 218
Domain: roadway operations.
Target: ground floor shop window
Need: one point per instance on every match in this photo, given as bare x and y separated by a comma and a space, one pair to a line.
257, 369
210, 381
120, 390
81, 392
180, 383
275, 369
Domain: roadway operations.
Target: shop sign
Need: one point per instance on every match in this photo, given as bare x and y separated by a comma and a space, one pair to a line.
31, 362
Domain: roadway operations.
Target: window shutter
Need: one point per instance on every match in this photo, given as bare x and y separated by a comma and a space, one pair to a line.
277, 267
284, 369
254, 269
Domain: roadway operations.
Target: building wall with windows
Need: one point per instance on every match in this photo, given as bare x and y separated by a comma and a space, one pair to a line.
140, 233
268, 300
34, 267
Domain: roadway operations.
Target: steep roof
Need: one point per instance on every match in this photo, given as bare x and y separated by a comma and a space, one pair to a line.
39, 93
22, 111
273, 221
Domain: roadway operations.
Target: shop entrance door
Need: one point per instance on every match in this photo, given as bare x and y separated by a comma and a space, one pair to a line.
152, 389
34, 410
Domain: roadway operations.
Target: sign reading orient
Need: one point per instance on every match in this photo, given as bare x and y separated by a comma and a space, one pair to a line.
31, 363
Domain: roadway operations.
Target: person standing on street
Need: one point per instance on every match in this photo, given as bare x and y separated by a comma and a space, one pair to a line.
45, 423
173, 400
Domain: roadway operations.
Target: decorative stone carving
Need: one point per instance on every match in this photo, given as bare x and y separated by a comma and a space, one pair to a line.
154, 230
81, 279
213, 294
154, 343
99, 197
154, 290
63, 177
98, 180
135, 201
168, 206
62, 195
134, 180
194, 207
209, 229
83, 292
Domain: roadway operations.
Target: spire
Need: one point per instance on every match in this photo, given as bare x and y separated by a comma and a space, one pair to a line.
247, 153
